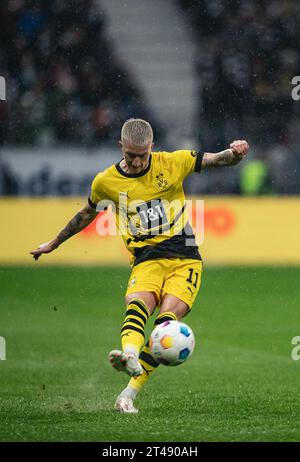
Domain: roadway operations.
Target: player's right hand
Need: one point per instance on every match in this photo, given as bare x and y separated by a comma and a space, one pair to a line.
47, 247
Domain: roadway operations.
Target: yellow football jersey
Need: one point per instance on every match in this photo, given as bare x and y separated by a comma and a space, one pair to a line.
150, 206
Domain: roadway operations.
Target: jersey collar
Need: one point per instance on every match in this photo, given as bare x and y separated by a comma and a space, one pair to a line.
134, 175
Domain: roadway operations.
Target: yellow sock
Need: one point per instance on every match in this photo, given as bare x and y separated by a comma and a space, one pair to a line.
146, 359
133, 328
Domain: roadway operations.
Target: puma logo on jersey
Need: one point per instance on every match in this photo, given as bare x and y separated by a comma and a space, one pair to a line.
132, 282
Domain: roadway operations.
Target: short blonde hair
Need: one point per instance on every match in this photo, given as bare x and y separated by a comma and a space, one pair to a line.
137, 131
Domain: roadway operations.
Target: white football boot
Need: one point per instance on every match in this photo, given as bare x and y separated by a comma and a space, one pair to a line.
125, 362
124, 404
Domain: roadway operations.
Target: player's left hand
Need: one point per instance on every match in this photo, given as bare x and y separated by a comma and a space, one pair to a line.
239, 148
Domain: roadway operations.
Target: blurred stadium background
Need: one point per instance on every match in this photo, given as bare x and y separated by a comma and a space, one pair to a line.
203, 73
75, 70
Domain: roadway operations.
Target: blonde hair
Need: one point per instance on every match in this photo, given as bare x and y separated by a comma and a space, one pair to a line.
137, 131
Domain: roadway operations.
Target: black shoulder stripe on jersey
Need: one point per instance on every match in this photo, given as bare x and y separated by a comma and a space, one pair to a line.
166, 227
91, 204
199, 161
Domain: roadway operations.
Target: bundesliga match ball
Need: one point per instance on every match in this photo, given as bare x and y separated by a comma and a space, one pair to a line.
172, 342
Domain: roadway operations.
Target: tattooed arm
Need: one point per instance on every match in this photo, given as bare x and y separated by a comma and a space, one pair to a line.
82, 219
238, 149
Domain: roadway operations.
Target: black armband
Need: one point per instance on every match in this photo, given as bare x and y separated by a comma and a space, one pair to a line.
198, 163
91, 204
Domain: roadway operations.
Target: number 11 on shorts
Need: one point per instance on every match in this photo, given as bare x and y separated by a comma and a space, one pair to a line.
193, 277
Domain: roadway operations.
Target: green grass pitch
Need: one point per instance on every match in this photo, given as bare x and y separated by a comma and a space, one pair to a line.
239, 385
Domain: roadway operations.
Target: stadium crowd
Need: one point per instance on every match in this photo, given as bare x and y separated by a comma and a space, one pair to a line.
248, 53
66, 87
64, 84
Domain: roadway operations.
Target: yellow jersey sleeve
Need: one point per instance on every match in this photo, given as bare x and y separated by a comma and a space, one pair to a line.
187, 161
97, 192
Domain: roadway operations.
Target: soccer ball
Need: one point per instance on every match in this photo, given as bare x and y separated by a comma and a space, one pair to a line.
172, 342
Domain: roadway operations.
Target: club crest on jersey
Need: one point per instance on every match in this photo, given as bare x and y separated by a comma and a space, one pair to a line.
161, 181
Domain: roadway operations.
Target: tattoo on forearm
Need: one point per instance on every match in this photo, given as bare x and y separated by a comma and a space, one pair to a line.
225, 157
75, 225
220, 159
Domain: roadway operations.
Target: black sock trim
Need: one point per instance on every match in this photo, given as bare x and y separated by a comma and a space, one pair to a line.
137, 314
140, 305
163, 319
134, 321
136, 329
148, 359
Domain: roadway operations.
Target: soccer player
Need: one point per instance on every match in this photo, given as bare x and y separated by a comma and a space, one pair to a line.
146, 190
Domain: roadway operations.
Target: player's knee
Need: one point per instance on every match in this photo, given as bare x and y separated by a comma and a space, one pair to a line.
178, 313
173, 304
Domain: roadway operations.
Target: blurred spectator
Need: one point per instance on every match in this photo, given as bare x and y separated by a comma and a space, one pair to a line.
248, 53
254, 178
65, 85
284, 167
63, 81
8, 181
